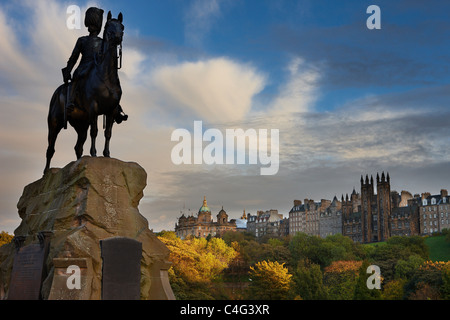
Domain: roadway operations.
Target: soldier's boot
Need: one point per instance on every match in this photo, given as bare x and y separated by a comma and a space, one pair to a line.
71, 98
121, 116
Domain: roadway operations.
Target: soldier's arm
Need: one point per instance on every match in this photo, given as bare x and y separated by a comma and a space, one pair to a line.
75, 54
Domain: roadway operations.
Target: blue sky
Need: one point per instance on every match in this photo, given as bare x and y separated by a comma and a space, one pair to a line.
347, 100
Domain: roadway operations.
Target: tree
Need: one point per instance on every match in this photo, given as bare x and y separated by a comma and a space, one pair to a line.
406, 268
323, 251
362, 291
428, 281
393, 290
445, 288
269, 281
196, 264
5, 238
307, 282
399, 250
340, 279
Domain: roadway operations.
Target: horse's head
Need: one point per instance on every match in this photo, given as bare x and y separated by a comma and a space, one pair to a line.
113, 32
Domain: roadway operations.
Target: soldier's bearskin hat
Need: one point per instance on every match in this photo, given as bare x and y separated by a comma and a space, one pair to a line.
93, 19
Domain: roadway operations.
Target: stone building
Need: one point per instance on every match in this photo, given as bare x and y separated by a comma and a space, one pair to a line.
404, 220
203, 225
305, 217
267, 223
330, 220
371, 217
351, 216
368, 219
434, 212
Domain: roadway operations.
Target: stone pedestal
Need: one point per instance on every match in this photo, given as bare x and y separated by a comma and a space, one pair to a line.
87, 201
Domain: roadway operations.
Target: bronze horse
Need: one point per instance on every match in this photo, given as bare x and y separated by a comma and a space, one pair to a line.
99, 94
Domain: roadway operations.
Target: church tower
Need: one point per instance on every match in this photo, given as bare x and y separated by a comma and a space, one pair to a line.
384, 206
367, 199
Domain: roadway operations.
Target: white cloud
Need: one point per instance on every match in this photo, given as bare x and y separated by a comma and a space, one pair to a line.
216, 90
199, 19
299, 93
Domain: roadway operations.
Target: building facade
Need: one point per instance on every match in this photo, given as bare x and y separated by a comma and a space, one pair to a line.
434, 212
330, 220
203, 225
307, 217
267, 223
374, 217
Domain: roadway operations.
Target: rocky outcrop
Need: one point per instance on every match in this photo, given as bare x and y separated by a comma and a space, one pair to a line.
89, 200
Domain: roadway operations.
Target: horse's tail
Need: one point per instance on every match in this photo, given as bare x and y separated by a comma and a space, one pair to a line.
55, 109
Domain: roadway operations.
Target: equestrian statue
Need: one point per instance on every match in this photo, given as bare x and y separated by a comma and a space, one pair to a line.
93, 90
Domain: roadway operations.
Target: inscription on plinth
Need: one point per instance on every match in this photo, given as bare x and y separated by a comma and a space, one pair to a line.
28, 268
121, 270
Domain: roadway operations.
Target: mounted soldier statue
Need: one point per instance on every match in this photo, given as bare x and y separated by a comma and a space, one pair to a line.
95, 87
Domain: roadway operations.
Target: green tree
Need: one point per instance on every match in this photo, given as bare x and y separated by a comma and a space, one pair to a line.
427, 281
445, 288
362, 291
406, 268
308, 283
323, 251
340, 279
269, 281
395, 250
393, 290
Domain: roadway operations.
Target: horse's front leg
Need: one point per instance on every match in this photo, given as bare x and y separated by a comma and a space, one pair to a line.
94, 132
108, 134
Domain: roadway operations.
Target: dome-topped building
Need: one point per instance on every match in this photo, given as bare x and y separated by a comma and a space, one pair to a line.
204, 213
203, 225
204, 207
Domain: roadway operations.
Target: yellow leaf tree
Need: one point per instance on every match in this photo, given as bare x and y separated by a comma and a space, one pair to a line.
269, 281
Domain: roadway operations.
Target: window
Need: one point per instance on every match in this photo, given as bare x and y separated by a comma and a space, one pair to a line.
433, 201
424, 202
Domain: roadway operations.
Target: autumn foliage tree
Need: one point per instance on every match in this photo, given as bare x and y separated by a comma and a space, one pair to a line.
340, 278
196, 264
269, 281
5, 238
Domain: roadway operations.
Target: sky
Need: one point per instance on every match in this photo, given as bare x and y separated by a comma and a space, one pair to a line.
347, 100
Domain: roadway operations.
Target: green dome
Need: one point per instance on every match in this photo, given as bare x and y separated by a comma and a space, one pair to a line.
205, 207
